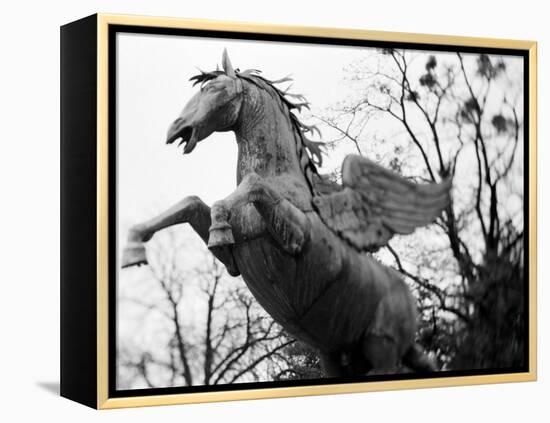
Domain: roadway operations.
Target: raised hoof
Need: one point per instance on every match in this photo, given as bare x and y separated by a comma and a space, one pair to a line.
220, 236
134, 255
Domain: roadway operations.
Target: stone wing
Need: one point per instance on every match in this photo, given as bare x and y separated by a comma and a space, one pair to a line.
376, 203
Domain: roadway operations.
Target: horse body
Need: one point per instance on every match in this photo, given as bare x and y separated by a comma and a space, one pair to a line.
308, 293
358, 313
329, 294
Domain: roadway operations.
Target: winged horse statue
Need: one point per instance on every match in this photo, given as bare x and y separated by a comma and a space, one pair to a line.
300, 242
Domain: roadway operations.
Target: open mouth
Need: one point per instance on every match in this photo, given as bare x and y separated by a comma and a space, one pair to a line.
185, 137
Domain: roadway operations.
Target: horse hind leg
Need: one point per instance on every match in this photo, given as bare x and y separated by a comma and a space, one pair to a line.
381, 353
190, 210
287, 224
416, 359
332, 364
392, 331
347, 362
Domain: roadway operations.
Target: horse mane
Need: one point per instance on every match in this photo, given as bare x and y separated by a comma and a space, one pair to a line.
309, 152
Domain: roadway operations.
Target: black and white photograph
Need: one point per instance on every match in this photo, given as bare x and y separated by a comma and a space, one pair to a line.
297, 212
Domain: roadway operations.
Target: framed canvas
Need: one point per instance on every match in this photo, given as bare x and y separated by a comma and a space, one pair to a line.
257, 211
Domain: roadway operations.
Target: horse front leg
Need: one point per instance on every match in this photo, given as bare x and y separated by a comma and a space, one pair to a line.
288, 225
190, 210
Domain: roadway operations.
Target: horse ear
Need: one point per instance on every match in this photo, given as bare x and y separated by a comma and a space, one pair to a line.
226, 64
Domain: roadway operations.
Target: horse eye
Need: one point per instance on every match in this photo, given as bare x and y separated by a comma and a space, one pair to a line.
215, 87
208, 86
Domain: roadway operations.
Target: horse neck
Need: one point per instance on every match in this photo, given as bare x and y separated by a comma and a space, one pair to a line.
266, 137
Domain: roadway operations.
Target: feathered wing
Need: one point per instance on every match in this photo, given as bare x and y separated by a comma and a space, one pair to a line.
376, 203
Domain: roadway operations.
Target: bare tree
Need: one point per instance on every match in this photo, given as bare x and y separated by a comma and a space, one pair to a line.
214, 331
462, 116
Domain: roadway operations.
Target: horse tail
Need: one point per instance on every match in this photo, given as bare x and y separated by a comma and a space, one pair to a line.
416, 359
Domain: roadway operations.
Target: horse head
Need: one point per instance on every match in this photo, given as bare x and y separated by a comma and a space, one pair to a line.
271, 138
214, 108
